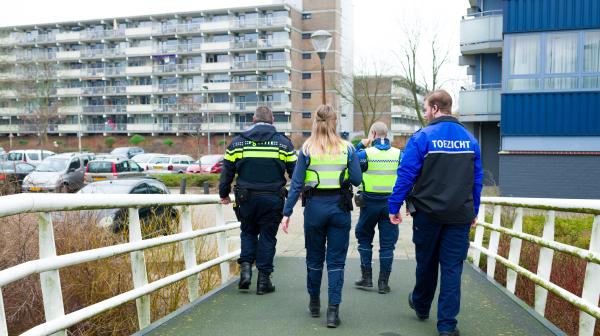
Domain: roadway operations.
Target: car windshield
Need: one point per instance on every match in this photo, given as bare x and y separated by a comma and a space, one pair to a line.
161, 159
100, 167
210, 160
52, 165
105, 188
15, 156
122, 151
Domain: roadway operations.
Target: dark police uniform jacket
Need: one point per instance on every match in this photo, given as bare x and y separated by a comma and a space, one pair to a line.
440, 173
260, 156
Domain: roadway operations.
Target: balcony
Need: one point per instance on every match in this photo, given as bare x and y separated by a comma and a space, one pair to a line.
140, 108
400, 128
69, 128
481, 33
138, 51
8, 58
72, 73
9, 128
216, 66
70, 109
69, 91
138, 70
64, 55
139, 31
104, 109
481, 103
214, 46
68, 36
8, 111
139, 89
216, 25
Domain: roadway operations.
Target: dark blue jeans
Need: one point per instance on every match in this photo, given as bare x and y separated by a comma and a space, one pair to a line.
444, 246
326, 237
376, 213
260, 218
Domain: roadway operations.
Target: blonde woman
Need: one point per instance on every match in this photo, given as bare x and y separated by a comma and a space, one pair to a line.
325, 168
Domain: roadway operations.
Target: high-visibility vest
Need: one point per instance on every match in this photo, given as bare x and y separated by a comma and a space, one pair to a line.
381, 173
326, 172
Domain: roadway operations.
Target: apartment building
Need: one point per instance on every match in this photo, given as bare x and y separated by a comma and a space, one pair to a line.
198, 72
546, 55
386, 99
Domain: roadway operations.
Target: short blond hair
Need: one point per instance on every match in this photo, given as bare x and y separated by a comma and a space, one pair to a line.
380, 129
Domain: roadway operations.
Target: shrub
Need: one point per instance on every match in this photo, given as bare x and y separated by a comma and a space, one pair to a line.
23, 142
136, 139
109, 142
355, 141
192, 180
168, 142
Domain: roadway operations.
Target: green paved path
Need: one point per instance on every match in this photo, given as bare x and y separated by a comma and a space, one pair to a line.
485, 309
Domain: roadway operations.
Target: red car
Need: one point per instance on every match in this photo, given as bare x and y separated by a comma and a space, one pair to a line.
208, 164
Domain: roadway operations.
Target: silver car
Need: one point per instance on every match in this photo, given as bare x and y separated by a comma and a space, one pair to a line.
112, 169
166, 164
58, 173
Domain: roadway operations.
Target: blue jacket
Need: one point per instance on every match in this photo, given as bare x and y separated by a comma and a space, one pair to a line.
354, 176
362, 158
440, 173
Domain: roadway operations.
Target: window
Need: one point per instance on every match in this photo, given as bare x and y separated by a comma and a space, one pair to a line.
306, 75
306, 55
140, 189
75, 165
306, 115
306, 95
306, 16
306, 134
306, 36
552, 61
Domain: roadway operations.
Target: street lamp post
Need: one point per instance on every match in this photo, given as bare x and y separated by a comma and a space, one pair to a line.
321, 41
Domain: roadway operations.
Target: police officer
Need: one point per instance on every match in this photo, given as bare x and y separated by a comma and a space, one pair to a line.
327, 165
440, 178
378, 164
260, 156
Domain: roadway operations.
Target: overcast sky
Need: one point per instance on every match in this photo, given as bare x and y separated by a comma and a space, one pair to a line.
377, 23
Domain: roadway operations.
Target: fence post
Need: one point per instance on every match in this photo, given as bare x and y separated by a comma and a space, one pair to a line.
3, 327
138, 269
479, 230
222, 244
189, 252
494, 240
515, 251
545, 264
591, 284
50, 280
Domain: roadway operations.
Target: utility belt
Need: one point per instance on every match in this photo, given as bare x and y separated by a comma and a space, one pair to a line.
242, 196
345, 193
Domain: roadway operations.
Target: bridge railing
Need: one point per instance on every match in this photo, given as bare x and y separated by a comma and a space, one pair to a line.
49, 264
588, 302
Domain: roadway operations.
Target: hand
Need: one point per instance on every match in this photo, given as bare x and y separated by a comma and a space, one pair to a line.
474, 222
366, 142
285, 222
396, 219
225, 200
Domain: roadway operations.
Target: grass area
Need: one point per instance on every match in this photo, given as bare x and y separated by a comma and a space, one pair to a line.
192, 180
568, 272
92, 282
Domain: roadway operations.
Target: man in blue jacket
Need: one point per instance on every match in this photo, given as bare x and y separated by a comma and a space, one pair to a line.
440, 179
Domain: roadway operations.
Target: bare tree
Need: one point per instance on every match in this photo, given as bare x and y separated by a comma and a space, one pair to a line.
38, 90
368, 92
412, 68
187, 105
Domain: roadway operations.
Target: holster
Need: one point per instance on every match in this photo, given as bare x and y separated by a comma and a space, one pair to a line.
283, 192
242, 195
306, 193
236, 210
346, 196
359, 200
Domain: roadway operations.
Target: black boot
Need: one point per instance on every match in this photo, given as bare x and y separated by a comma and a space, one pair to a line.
333, 317
264, 284
366, 280
245, 275
314, 306
382, 283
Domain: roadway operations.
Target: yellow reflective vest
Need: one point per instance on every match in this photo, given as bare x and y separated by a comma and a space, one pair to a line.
326, 172
381, 173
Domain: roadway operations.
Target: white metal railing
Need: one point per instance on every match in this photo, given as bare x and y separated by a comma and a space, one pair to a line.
588, 301
49, 264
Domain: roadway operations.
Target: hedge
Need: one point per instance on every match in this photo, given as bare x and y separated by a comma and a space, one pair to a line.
192, 180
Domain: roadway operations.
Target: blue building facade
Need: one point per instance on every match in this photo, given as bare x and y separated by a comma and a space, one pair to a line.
550, 91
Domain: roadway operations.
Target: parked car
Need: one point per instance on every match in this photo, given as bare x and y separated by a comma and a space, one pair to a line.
165, 164
2, 151
129, 152
208, 164
12, 175
58, 173
111, 169
31, 156
142, 159
116, 219
109, 156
